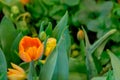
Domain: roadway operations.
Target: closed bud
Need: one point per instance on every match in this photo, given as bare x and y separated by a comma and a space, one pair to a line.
50, 45
42, 36
15, 9
75, 53
80, 35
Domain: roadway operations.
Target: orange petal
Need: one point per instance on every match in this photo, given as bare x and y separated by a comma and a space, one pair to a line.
39, 51
27, 42
36, 42
25, 57
32, 51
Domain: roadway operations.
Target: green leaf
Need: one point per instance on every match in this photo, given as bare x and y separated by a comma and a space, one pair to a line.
70, 2
75, 65
100, 49
77, 76
56, 66
61, 69
92, 71
49, 29
110, 75
41, 27
101, 40
14, 48
9, 2
60, 26
47, 70
115, 64
105, 8
67, 40
3, 66
99, 78
7, 36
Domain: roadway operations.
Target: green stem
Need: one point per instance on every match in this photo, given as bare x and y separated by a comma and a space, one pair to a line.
32, 72
82, 47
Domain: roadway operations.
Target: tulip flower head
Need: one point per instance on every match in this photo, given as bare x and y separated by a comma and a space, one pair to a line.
30, 49
17, 73
24, 2
80, 35
50, 45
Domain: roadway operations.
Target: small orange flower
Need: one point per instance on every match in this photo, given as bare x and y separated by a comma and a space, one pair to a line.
80, 35
24, 2
30, 49
17, 73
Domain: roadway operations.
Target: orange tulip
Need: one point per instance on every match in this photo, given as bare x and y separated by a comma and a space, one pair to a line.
30, 49
17, 73
24, 2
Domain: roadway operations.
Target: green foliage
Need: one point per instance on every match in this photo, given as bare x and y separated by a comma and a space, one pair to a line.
3, 66
7, 36
61, 19
115, 64
58, 58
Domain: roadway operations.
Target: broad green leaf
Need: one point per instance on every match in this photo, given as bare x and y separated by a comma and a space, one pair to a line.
61, 68
53, 69
48, 68
7, 36
115, 64
67, 40
60, 26
3, 66
14, 48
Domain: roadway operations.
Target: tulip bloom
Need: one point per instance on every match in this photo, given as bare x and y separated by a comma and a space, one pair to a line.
50, 45
30, 49
17, 73
24, 2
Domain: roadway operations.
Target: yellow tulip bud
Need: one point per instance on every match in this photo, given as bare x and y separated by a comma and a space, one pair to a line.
80, 35
50, 45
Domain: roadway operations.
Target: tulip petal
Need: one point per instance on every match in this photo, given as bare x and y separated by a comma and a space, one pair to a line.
39, 51
17, 68
32, 51
25, 57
